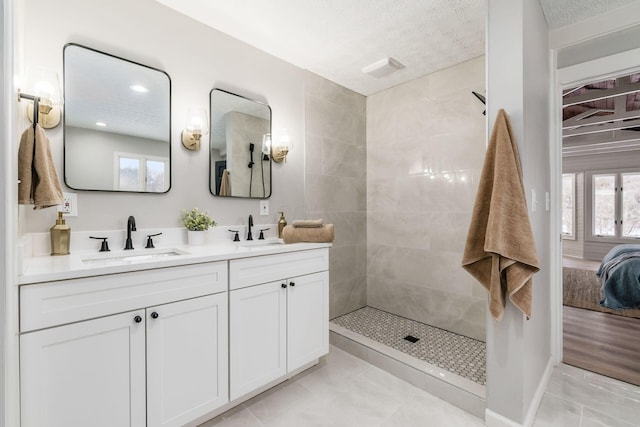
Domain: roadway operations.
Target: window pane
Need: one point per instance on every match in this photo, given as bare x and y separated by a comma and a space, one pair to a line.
631, 204
129, 174
155, 176
567, 204
604, 205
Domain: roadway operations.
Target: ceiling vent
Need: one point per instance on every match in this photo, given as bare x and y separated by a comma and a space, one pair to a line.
383, 67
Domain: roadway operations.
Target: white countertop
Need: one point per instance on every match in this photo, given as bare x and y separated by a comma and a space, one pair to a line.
84, 264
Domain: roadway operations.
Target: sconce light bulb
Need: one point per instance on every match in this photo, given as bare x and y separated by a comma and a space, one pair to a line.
44, 90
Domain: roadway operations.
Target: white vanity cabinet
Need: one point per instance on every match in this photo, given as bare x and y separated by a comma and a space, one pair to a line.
187, 351
87, 373
279, 314
160, 361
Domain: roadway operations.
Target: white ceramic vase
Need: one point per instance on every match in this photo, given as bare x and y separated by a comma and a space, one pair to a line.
196, 238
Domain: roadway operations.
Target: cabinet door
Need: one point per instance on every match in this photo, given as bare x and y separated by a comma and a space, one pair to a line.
90, 373
308, 319
187, 371
257, 336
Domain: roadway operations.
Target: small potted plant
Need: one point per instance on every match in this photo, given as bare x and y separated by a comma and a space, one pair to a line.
196, 223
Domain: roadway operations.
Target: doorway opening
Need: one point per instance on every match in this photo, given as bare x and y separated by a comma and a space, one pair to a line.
601, 226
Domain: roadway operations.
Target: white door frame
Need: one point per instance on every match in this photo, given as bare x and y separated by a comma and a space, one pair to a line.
596, 70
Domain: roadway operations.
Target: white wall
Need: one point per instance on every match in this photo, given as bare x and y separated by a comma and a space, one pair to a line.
518, 350
9, 372
197, 58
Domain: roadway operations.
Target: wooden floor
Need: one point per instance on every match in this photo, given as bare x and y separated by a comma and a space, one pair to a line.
604, 343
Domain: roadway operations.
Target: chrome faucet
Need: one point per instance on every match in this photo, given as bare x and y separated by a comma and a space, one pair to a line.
249, 236
131, 226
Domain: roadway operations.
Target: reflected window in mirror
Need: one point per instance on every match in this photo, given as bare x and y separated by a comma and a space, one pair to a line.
117, 123
239, 146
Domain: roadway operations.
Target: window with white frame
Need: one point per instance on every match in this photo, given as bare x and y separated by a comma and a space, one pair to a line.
134, 172
568, 205
614, 205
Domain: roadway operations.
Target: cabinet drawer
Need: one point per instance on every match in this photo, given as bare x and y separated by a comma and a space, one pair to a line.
54, 303
262, 269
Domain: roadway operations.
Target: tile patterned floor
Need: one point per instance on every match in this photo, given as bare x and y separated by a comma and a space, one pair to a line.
575, 397
455, 353
344, 391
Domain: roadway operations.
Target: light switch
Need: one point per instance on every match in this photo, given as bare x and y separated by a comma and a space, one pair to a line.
264, 207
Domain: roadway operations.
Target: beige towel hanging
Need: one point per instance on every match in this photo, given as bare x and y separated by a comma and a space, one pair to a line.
500, 251
39, 184
225, 189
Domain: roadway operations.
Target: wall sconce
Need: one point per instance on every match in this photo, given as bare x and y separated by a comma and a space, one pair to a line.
196, 127
44, 85
280, 149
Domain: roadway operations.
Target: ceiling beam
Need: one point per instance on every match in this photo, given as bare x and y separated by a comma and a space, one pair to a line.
596, 94
586, 130
602, 139
598, 120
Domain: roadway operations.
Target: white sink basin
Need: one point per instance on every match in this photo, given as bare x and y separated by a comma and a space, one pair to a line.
130, 257
261, 243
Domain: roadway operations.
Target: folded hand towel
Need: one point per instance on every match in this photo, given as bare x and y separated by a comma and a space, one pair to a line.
307, 223
39, 183
500, 251
323, 234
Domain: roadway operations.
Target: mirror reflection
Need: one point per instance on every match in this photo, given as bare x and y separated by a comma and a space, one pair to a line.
239, 146
117, 129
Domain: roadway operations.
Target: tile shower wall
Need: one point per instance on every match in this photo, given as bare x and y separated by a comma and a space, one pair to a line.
335, 134
425, 148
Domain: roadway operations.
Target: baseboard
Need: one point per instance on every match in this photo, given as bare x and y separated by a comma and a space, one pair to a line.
493, 419
539, 394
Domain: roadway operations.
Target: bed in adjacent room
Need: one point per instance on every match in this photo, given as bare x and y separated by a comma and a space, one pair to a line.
619, 275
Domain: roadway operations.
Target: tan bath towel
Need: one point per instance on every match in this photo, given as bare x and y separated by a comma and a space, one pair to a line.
324, 234
307, 223
39, 183
225, 189
500, 251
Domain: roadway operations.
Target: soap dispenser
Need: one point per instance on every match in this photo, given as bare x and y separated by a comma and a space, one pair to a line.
281, 224
60, 237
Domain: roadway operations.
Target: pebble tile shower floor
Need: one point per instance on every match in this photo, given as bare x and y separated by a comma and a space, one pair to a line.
456, 353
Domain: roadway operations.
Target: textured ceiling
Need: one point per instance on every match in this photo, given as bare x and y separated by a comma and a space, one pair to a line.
560, 13
337, 38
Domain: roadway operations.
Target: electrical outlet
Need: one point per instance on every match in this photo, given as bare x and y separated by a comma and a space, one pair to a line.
264, 207
69, 204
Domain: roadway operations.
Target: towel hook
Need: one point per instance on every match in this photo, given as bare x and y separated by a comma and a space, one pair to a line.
36, 105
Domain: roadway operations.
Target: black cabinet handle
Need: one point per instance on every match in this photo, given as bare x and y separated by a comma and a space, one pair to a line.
137, 319
284, 285
292, 284
154, 315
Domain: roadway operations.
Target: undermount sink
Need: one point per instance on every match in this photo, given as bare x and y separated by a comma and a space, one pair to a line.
261, 243
142, 255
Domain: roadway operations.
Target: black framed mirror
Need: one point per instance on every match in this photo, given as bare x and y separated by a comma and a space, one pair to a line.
117, 123
239, 146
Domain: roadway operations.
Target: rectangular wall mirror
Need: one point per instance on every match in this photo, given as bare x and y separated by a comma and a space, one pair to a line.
117, 123
239, 146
